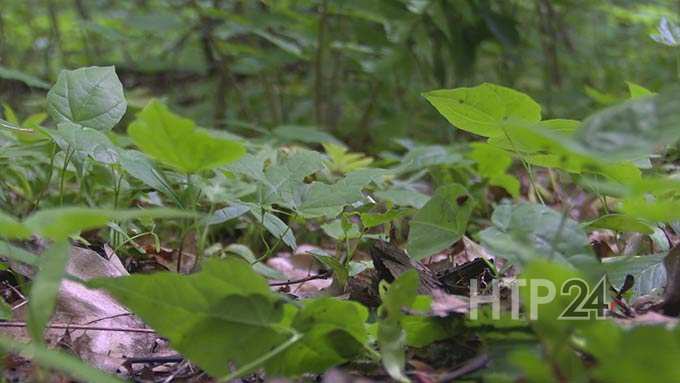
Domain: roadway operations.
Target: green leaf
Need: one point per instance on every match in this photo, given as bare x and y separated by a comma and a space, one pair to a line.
140, 167
637, 91
648, 271
57, 360
228, 213
309, 135
631, 130
403, 197
422, 157
284, 181
225, 313
523, 232
519, 141
659, 210
555, 148
334, 332
493, 163
85, 142
13, 74
622, 354
276, 227
45, 287
369, 220
60, 223
622, 223
259, 267
547, 323
178, 142
484, 109
441, 222
91, 97
328, 200
10, 227
343, 161
422, 331
391, 336
340, 272
18, 254
5, 310
335, 230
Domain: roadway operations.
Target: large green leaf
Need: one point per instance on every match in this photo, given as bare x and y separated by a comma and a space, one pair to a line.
321, 199
60, 223
334, 331
484, 109
620, 353
391, 336
441, 222
284, 181
524, 143
178, 142
10, 227
659, 210
91, 97
225, 313
621, 222
523, 232
45, 287
551, 144
632, 130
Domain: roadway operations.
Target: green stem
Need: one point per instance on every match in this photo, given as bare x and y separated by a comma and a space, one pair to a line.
67, 159
50, 172
187, 224
130, 239
117, 179
527, 167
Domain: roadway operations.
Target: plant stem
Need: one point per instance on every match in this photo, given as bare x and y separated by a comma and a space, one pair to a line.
187, 224
67, 159
527, 167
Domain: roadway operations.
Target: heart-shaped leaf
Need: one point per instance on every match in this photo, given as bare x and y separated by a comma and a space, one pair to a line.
91, 97
178, 142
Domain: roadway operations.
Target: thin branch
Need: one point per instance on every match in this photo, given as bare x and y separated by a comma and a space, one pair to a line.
60, 326
154, 359
323, 275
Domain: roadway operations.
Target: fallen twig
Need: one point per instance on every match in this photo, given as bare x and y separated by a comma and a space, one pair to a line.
323, 275
60, 326
154, 359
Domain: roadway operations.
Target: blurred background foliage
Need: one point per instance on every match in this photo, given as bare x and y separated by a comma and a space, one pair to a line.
351, 68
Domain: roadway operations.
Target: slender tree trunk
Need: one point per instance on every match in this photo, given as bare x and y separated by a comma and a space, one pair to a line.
548, 35
319, 95
55, 38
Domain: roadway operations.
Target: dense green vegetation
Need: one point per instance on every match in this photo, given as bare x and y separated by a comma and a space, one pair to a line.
207, 143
